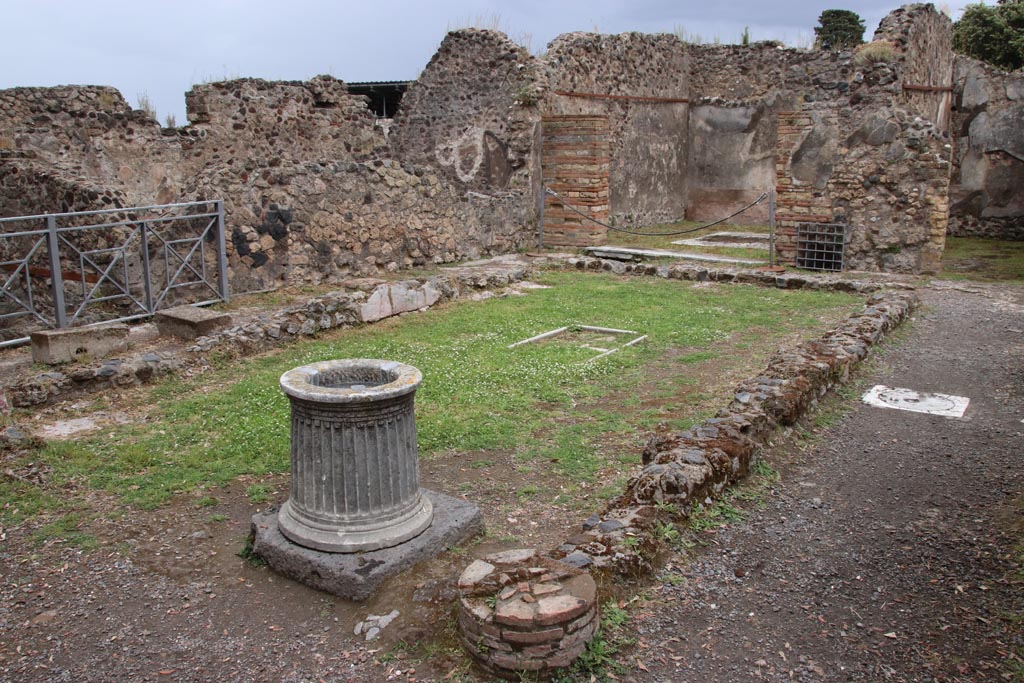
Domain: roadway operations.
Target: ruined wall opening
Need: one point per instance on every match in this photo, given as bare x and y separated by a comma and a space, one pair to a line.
383, 96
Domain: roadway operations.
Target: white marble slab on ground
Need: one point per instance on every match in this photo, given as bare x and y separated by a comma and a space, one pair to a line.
896, 398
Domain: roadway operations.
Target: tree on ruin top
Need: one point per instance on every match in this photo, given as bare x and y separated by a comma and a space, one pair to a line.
992, 33
839, 29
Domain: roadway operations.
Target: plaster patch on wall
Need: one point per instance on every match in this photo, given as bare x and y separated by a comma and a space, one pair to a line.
467, 147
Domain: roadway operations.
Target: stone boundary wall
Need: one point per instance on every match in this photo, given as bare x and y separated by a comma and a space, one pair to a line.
285, 155
361, 302
987, 189
689, 470
320, 222
312, 186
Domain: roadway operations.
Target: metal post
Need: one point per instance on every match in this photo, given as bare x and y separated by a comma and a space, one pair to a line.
147, 285
540, 221
771, 228
222, 255
56, 276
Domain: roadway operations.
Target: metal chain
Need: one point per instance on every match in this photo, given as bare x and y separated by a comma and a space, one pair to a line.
656, 234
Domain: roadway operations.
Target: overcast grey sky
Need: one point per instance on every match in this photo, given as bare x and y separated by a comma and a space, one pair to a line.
162, 48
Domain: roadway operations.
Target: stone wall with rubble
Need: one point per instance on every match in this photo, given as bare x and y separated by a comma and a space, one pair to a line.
315, 191
891, 179
24, 188
471, 113
923, 38
311, 187
868, 156
326, 221
648, 139
91, 135
987, 190
250, 123
316, 188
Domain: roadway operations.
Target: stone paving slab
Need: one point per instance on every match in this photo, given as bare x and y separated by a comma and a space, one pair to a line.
630, 253
190, 322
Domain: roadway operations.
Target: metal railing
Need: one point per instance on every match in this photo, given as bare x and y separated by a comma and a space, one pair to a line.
135, 260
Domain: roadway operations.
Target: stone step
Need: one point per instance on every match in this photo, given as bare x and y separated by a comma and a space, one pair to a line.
190, 322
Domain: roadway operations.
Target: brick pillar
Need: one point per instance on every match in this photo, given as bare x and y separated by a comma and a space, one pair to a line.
794, 202
576, 159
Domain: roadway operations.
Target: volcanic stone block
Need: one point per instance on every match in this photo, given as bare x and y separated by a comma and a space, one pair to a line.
61, 346
391, 299
189, 322
355, 576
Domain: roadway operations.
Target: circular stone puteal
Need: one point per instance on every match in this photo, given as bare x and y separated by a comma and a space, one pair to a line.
354, 460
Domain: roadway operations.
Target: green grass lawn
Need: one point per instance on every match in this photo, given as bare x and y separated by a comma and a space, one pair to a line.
972, 258
543, 402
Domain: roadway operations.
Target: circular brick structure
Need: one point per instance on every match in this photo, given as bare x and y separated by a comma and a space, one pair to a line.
522, 612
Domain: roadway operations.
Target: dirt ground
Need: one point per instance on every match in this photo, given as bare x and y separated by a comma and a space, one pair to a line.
885, 553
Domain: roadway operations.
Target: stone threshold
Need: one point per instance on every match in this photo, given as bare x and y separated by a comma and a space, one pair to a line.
632, 254
729, 238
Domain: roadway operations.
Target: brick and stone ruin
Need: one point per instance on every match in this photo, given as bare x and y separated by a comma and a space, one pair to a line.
631, 128
323, 183
520, 611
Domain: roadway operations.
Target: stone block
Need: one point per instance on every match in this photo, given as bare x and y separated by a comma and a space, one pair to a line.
398, 297
515, 613
61, 346
533, 637
190, 322
355, 576
474, 573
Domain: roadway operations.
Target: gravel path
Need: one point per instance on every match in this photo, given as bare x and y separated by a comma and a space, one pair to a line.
886, 551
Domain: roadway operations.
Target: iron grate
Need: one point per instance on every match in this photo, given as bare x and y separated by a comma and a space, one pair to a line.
819, 246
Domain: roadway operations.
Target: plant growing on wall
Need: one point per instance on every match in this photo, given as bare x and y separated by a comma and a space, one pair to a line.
874, 53
146, 105
993, 34
839, 29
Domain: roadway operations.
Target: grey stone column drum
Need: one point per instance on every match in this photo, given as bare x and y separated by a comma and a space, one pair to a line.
355, 466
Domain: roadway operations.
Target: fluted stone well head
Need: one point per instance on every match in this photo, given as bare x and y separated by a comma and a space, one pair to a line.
354, 460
